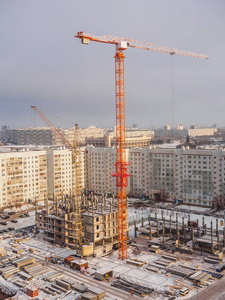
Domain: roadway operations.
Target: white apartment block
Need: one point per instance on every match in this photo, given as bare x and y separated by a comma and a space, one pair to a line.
100, 165
193, 176
28, 136
60, 174
23, 176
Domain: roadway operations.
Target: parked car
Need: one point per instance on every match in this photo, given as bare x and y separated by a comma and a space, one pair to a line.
11, 228
5, 216
14, 221
22, 216
11, 213
3, 223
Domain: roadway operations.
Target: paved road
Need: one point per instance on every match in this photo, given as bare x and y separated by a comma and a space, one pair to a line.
216, 291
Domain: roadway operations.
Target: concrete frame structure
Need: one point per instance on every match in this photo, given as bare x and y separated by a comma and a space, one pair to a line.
100, 223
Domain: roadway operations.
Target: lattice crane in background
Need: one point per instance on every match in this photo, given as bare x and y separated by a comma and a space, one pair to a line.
121, 164
76, 170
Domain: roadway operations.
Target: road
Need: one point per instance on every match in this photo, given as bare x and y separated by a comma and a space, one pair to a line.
216, 291
89, 281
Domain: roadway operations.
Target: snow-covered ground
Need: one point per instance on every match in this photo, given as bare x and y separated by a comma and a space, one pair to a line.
193, 208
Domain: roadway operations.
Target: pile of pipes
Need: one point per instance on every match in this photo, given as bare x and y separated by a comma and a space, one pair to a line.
132, 287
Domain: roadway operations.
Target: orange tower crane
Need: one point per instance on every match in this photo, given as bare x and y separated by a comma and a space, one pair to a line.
121, 164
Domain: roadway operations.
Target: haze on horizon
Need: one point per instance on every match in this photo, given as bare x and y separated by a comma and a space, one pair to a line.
43, 64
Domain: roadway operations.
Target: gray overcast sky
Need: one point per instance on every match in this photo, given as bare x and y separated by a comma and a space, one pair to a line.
42, 64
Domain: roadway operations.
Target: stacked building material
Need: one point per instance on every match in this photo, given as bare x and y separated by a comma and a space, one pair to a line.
163, 262
213, 259
24, 262
8, 271
89, 296
154, 249
96, 291
200, 277
134, 263
180, 271
54, 276
132, 287
170, 257
63, 284
152, 268
80, 287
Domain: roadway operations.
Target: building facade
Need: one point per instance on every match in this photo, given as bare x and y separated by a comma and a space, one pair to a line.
192, 176
23, 176
29, 136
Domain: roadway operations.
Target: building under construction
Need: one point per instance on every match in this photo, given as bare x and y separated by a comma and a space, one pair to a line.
96, 232
174, 235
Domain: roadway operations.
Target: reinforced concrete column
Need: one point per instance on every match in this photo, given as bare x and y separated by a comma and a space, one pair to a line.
217, 234
193, 238
223, 236
135, 228
163, 233
150, 227
157, 227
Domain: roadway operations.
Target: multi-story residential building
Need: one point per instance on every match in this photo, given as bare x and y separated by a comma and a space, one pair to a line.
26, 174
23, 176
28, 136
193, 176
61, 178
84, 133
181, 132
110, 141
100, 165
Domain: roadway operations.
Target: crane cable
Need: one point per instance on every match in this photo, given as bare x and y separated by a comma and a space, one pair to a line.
172, 90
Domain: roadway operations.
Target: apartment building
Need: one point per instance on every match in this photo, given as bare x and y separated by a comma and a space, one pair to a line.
27, 174
23, 176
110, 141
181, 132
193, 176
100, 165
91, 131
34, 136
61, 176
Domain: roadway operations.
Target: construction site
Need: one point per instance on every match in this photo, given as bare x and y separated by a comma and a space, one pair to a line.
85, 246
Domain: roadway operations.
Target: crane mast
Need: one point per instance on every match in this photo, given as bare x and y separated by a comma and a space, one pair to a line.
76, 175
121, 173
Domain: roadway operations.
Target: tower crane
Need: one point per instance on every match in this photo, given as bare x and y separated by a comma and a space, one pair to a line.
76, 170
121, 165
